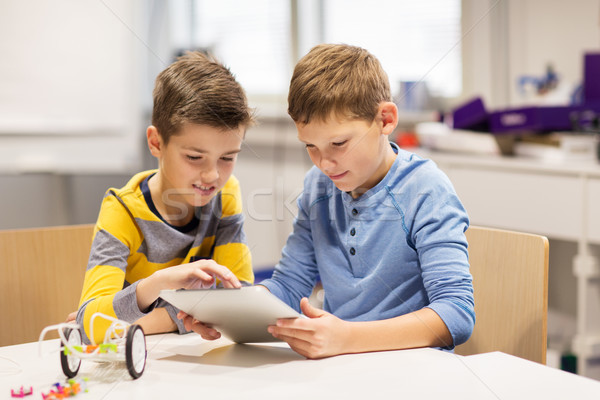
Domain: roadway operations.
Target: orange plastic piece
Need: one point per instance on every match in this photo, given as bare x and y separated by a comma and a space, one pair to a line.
91, 348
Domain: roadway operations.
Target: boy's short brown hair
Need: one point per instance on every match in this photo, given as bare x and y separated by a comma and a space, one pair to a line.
198, 89
345, 80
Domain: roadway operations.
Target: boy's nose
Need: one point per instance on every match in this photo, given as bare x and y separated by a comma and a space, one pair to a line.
210, 175
327, 163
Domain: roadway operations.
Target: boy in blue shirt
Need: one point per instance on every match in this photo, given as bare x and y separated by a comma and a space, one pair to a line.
381, 227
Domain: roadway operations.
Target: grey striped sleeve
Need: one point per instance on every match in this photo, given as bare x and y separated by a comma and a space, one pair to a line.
125, 304
108, 250
172, 311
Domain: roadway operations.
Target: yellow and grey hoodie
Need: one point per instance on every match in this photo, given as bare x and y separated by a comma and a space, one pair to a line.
132, 241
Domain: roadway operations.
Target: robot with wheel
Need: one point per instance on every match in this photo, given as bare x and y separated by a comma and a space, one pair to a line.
122, 342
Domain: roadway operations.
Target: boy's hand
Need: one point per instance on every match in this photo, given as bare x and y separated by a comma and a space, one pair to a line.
198, 275
320, 335
192, 324
72, 316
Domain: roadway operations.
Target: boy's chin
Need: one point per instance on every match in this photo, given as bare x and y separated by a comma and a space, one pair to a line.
344, 187
354, 191
199, 201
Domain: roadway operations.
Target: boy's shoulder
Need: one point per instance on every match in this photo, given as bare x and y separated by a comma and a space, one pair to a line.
133, 185
130, 197
412, 173
121, 206
411, 163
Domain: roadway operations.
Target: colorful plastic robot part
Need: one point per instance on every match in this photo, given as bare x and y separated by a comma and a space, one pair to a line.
52, 395
49, 395
22, 392
103, 348
80, 349
73, 388
108, 347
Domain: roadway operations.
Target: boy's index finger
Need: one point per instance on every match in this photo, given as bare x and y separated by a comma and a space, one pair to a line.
232, 284
225, 275
232, 280
219, 271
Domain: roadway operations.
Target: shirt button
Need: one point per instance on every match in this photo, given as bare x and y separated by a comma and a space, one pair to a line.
352, 251
352, 232
354, 211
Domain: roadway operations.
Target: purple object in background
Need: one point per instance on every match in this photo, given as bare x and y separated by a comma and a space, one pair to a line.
536, 119
539, 119
591, 78
532, 119
471, 116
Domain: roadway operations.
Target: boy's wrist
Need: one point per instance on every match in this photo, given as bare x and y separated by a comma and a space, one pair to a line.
148, 290
351, 337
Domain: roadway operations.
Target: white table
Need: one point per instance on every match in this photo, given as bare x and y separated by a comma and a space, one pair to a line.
188, 366
560, 200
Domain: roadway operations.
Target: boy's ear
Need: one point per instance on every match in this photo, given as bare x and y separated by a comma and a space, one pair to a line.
155, 143
388, 113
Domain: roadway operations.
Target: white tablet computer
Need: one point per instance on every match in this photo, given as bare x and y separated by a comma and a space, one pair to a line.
242, 315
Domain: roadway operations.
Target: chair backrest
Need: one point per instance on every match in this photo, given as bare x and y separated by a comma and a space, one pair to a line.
42, 274
510, 282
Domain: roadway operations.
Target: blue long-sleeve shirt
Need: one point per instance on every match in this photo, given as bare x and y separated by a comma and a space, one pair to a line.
397, 248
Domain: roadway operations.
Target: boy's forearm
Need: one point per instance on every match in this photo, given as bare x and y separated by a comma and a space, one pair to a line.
157, 321
147, 290
422, 328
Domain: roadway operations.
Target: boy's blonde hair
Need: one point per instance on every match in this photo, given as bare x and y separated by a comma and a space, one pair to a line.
198, 89
339, 79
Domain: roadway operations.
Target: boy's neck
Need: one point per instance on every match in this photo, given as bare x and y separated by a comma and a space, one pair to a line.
386, 164
178, 212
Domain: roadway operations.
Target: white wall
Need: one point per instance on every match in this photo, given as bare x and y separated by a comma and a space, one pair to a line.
503, 40
551, 31
70, 83
477, 50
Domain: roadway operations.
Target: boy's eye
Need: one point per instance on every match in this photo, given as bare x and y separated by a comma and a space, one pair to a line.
310, 146
193, 158
228, 159
338, 144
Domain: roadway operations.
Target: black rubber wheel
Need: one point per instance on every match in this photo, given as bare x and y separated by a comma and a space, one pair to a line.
70, 364
135, 351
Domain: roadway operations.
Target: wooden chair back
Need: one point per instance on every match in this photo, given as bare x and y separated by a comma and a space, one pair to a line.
510, 282
42, 275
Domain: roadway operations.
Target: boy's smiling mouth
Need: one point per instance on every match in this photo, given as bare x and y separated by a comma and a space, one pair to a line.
203, 190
